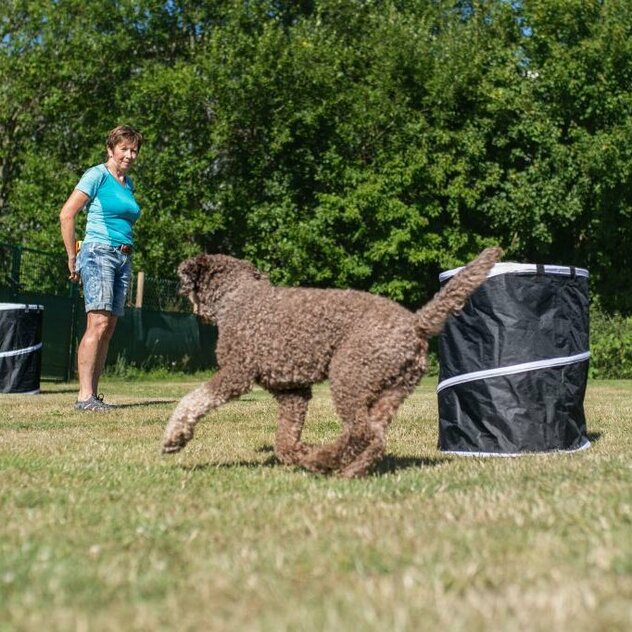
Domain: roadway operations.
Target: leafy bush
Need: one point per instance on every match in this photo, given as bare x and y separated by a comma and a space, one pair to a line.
610, 345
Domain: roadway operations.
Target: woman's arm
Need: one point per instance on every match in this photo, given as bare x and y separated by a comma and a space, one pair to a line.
73, 205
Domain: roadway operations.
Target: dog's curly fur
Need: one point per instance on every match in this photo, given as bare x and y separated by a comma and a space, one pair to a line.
371, 349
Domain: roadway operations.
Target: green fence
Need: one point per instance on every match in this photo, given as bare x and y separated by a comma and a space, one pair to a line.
162, 332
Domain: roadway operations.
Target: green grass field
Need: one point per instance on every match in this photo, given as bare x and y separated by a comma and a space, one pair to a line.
101, 532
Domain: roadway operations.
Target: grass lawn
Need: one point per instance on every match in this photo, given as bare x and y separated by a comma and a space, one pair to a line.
99, 531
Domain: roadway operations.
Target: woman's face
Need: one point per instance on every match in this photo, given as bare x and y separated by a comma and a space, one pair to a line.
123, 155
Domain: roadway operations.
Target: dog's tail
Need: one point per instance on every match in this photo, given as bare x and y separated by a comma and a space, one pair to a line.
451, 298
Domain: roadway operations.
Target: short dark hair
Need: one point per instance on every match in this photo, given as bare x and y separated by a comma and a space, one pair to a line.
124, 132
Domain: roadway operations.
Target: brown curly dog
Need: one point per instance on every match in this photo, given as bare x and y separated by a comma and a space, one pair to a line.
371, 349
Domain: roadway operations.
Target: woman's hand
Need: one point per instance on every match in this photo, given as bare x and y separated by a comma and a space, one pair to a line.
74, 275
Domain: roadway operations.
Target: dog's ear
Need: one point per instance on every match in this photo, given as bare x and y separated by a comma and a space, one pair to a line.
253, 271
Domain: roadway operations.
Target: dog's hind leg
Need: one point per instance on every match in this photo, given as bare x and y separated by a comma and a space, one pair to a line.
355, 435
329, 457
370, 446
351, 400
292, 412
222, 387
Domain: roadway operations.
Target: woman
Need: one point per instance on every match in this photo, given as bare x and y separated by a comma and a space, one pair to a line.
104, 262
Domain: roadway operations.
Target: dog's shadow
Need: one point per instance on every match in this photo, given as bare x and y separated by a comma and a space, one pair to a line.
389, 464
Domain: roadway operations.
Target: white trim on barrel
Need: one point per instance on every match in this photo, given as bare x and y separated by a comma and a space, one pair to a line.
509, 267
17, 352
511, 370
7, 306
583, 446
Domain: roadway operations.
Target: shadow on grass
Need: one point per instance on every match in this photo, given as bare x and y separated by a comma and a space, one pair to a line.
387, 465
593, 437
391, 463
201, 467
135, 405
265, 448
155, 402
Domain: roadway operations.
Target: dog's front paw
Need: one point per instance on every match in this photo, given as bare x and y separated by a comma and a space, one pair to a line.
176, 438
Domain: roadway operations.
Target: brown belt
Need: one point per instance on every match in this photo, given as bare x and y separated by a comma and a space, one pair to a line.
126, 249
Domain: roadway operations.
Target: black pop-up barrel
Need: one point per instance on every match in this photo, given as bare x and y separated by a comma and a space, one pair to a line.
514, 364
20, 348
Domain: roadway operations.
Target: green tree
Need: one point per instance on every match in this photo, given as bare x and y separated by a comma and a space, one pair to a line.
333, 142
580, 57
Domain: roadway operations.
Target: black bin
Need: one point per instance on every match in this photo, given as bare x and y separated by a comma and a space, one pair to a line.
20, 348
514, 364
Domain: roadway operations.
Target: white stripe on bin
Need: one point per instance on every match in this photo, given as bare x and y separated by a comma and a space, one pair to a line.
511, 370
17, 352
584, 446
520, 268
23, 306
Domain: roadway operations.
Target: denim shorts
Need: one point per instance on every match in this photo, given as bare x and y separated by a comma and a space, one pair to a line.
105, 274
